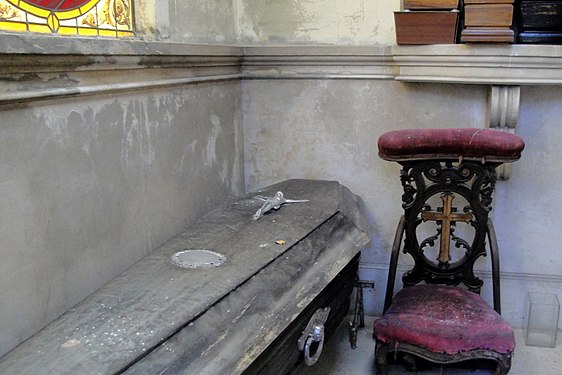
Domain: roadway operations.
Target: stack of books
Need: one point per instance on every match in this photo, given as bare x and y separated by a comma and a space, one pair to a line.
427, 22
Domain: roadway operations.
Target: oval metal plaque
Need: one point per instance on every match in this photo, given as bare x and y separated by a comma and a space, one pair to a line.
195, 259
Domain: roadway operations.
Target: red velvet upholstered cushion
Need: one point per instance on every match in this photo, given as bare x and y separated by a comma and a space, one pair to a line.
413, 144
444, 319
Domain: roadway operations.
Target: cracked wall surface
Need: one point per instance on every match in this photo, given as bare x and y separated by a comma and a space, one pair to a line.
315, 22
328, 129
187, 21
89, 186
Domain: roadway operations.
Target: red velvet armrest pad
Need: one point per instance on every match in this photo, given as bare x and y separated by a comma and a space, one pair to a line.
445, 320
469, 143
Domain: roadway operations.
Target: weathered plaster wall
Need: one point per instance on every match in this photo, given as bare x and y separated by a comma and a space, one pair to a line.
528, 206
203, 21
90, 185
188, 21
538, 178
254, 22
316, 22
327, 129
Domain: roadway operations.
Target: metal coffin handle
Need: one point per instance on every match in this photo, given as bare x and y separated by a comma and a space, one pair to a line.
314, 332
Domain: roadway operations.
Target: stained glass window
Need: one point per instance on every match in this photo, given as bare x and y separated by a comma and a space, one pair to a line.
68, 17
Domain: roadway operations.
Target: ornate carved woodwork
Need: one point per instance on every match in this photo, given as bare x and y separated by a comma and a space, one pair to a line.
448, 177
446, 216
424, 180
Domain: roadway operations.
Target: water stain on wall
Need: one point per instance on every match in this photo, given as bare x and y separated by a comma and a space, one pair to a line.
316, 22
91, 186
274, 20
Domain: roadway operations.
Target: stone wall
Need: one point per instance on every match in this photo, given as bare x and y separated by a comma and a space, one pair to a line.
321, 119
348, 22
187, 21
102, 160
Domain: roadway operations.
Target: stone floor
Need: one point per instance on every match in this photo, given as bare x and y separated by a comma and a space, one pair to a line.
339, 358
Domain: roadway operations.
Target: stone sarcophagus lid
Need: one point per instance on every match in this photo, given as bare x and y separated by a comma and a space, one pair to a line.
232, 294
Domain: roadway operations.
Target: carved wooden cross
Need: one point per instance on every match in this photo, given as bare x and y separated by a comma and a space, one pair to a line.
446, 215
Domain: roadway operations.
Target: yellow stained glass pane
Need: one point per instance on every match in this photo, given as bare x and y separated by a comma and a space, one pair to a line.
86, 31
108, 32
125, 33
71, 14
34, 28
112, 18
13, 26
68, 30
29, 8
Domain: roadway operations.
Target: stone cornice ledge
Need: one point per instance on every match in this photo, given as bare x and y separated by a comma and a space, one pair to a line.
318, 62
480, 64
20, 54
37, 67
72, 45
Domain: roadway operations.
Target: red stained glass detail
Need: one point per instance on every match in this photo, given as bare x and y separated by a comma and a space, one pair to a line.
58, 5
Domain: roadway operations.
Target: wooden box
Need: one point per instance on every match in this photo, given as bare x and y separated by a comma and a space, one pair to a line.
282, 355
468, 2
487, 35
495, 15
540, 21
426, 27
243, 316
541, 15
488, 21
431, 4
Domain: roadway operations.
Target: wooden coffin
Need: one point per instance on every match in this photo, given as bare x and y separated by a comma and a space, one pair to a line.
488, 21
540, 22
495, 15
431, 4
240, 317
426, 27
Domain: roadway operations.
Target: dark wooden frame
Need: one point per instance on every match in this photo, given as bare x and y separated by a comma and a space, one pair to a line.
283, 356
538, 21
382, 350
422, 180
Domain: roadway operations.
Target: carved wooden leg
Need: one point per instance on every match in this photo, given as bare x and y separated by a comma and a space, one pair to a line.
381, 368
381, 364
503, 365
410, 362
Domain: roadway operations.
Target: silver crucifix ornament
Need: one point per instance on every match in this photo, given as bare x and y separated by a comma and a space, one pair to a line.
274, 203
